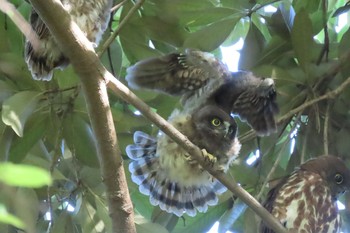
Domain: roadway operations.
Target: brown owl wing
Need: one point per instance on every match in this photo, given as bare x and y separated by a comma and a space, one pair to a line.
268, 204
175, 73
257, 110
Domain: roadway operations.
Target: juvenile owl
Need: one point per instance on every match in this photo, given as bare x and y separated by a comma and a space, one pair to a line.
92, 16
165, 171
305, 201
201, 79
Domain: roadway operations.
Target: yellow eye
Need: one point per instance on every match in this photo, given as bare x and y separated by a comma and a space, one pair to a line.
338, 178
216, 122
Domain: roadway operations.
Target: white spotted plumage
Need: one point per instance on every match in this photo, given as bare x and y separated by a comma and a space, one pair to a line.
305, 201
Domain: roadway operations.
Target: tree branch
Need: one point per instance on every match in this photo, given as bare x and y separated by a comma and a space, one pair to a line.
325, 128
328, 95
80, 52
114, 35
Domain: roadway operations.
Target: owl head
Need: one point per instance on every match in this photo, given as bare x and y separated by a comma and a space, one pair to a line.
333, 170
216, 130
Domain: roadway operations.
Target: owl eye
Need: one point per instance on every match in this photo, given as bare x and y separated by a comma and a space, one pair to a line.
216, 122
338, 178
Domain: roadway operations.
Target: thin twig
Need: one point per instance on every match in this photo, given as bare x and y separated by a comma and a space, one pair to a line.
120, 26
325, 47
278, 159
116, 7
325, 129
304, 144
10, 10
328, 95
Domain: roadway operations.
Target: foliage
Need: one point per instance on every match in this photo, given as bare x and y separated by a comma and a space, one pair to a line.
46, 124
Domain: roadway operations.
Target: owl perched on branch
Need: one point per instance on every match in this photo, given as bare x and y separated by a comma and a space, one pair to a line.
92, 16
202, 79
165, 171
305, 201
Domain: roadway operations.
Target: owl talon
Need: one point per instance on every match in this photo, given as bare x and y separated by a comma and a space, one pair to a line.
209, 158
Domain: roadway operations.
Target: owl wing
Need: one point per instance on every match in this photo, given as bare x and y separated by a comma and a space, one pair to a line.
175, 73
269, 202
258, 108
251, 98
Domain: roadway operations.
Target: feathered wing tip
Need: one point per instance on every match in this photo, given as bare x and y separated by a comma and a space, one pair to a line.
258, 108
153, 181
38, 65
46, 56
156, 73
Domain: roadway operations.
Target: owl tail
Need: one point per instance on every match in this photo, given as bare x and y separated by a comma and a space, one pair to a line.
154, 181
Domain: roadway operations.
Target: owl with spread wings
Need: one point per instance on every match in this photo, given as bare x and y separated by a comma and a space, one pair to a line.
210, 95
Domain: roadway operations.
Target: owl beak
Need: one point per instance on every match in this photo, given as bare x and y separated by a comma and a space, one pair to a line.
228, 129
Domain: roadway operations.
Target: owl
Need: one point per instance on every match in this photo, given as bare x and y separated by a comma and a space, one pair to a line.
305, 201
165, 171
92, 16
201, 79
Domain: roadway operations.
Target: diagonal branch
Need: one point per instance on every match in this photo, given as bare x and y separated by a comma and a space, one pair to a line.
328, 95
75, 46
114, 35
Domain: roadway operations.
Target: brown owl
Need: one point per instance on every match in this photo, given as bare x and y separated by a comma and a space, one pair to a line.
305, 201
92, 16
201, 79
165, 171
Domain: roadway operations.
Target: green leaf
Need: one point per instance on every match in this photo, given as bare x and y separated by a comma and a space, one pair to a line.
343, 48
252, 48
26, 208
203, 221
212, 36
24, 175
7, 218
159, 30
33, 131
63, 224
103, 214
230, 217
17, 109
5, 90
302, 39
256, 19
195, 18
80, 140
145, 226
